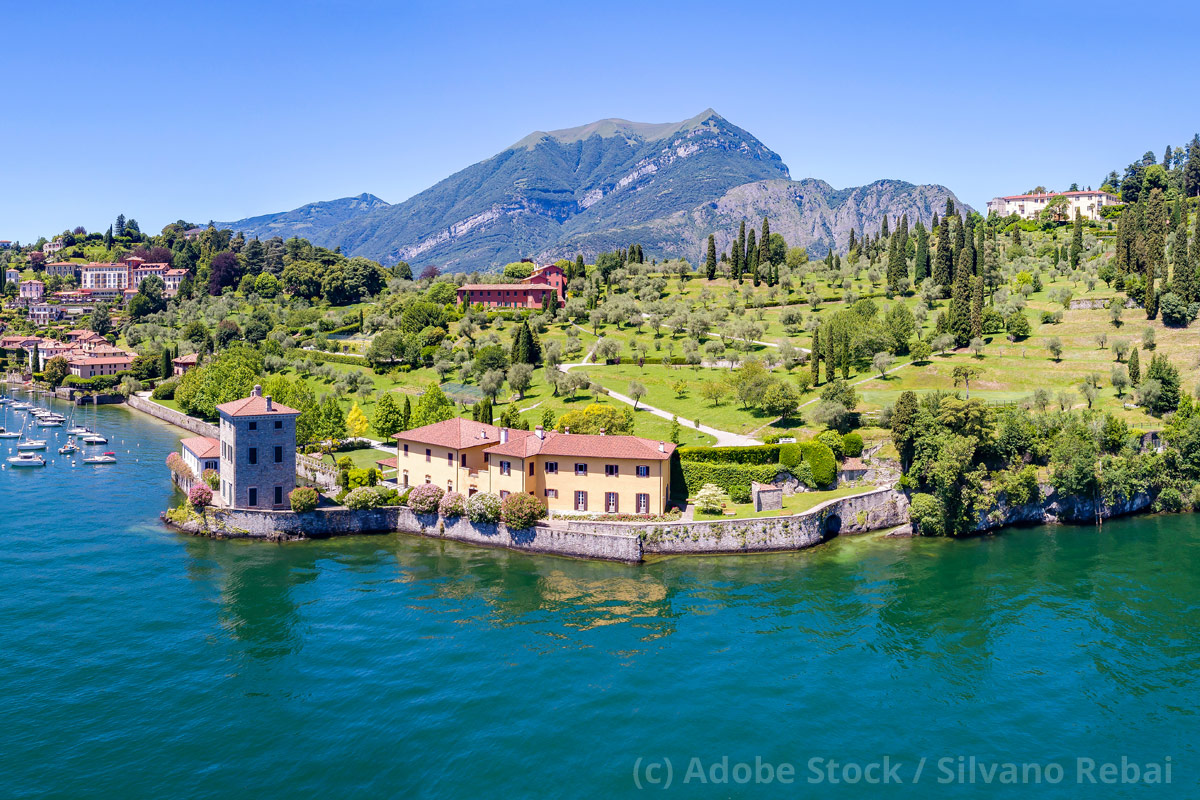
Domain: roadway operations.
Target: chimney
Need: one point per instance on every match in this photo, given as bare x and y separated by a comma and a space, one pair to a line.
567, 430
257, 391
503, 435
602, 431
540, 431
268, 399
662, 447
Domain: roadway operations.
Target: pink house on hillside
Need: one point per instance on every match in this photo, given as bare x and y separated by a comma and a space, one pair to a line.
529, 293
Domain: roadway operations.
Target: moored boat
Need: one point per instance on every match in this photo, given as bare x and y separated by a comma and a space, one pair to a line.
67, 449
27, 460
106, 458
31, 444
94, 438
9, 434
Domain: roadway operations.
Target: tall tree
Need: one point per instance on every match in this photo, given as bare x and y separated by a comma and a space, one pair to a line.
960, 303
921, 261
119, 227
976, 306
739, 250
710, 263
897, 269
943, 262
764, 243
1155, 231
1077, 240
752, 257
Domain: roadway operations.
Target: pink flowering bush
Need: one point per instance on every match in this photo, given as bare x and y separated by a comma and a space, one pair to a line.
453, 505
520, 511
200, 495
424, 499
212, 478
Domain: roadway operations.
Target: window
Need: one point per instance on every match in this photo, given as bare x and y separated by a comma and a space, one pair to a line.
252, 499
503, 494
581, 469
581, 501
643, 471
406, 451
505, 468
551, 467
278, 495
428, 479
552, 494
643, 504
449, 458
449, 486
253, 455
611, 470
531, 469
610, 502
462, 460
278, 454
278, 424
428, 455
485, 458
253, 426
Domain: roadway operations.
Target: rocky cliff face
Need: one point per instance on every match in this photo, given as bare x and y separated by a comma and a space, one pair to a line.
1054, 508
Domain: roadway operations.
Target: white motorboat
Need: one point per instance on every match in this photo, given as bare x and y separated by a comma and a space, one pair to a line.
79, 430
47, 422
9, 434
22, 407
107, 458
67, 449
94, 438
31, 444
27, 460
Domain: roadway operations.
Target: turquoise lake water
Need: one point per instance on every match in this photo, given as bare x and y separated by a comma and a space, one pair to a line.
138, 663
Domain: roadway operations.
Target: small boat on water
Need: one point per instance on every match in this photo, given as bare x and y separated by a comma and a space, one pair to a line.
79, 430
31, 444
22, 407
9, 434
5, 400
94, 438
107, 458
47, 422
27, 460
67, 449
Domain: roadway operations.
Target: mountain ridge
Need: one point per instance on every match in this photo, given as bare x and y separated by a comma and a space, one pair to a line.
598, 186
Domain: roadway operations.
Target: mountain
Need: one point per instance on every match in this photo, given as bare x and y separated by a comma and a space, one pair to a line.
312, 220
597, 187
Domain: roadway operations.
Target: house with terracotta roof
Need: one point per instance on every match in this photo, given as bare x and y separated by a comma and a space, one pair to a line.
12, 275
529, 293
571, 472
201, 453
45, 313
183, 363
1029, 206
65, 269
91, 367
53, 246
32, 291
257, 452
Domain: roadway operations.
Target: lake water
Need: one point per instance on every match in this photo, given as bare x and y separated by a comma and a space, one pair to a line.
138, 663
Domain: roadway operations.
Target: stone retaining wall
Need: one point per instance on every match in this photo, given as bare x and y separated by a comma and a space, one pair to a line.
882, 508
327, 522
190, 424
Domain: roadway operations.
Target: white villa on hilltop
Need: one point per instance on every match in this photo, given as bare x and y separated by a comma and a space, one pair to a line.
1028, 206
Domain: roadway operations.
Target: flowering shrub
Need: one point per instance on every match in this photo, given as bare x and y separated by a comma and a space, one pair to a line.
453, 505
303, 499
483, 507
424, 499
200, 495
362, 498
520, 510
179, 468
212, 478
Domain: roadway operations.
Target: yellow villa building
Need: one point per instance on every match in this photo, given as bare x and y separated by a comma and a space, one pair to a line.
571, 472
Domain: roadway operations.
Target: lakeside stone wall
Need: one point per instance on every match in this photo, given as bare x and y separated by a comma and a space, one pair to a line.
882, 508
190, 424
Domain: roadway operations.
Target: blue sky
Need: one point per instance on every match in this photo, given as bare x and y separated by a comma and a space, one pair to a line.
221, 110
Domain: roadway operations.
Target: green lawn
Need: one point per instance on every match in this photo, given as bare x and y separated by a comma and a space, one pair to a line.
801, 501
362, 458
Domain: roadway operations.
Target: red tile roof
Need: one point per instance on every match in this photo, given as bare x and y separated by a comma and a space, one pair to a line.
254, 406
84, 361
585, 446
521, 287
1052, 194
203, 446
190, 358
387, 463
458, 433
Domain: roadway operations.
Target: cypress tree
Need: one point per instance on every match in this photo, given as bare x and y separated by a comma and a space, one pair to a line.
934, 224
1135, 369
710, 263
977, 306
764, 243
1155, 247
921, 262
1195, 246
903, 230
897, 270
1183, 281
739, 250
406, 414
752, 256
1077, 240
164, 364
943, 263
580, 269
883, 227
949, 207
853, 241
960, 304
815, 356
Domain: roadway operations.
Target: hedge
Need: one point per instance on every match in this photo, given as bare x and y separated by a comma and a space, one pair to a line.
323, 356
730, 477
759, 454
820, 459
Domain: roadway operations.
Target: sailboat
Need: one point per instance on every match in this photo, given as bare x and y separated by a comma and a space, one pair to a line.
31, 444
5, 434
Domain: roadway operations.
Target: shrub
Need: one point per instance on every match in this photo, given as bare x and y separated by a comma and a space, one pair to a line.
926, 513
759, 454
483, 507
833, 441
710, 498
740, 494
1170, 500
424, 499
165, 390
821, 461
852, 445
212, 478
200, 495
387, 495
303, 499
729, 477
453, 505
362, 498
789, 455
520, 511
179, 467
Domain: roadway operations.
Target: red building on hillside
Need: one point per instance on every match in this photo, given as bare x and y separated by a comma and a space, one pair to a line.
529, 293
